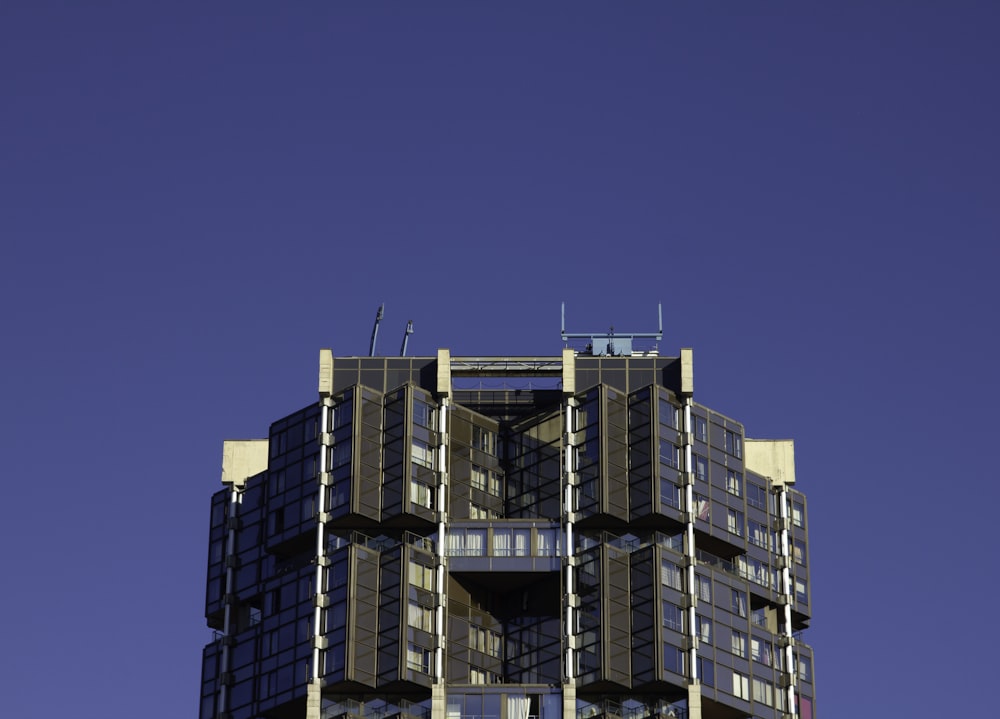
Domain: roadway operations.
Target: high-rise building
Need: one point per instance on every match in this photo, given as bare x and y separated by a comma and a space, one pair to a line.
559, 537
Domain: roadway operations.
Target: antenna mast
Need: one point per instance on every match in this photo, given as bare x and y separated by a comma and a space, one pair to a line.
378, 318
406, 337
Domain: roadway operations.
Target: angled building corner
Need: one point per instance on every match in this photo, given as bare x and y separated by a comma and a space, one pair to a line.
524, 537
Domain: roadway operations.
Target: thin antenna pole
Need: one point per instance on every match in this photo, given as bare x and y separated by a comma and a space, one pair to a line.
406, 337
378, 318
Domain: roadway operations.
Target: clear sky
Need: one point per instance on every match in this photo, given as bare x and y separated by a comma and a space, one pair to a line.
196, 197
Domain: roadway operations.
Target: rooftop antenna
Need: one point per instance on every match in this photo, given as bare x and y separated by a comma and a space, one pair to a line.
406, 337
612, 343
378, 318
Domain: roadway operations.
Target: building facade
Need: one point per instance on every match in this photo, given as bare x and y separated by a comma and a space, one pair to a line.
562, 537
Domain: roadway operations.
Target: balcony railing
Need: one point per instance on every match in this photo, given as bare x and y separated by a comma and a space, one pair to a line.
654, 710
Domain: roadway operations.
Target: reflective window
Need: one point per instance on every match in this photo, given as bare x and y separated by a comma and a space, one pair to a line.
734, 444
700, 428
801, 594
703, 507
671, 575
420, 617
484, 440
670, 454
422, 454
758, 534
670, 494
734, 522
700, 467
734, 483
466, 543
485, 480
738, 645
548, 542
421, 494
706, 671
756, 496
485, 641
739, 603
670, 414
798, 514
704, 629
418, 659
422, 414
704, 587
760, 650
421, 576
763, 692
804, 665
741, 686
673, 659
481, 676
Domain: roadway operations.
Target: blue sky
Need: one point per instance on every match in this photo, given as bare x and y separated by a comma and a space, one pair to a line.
194, 198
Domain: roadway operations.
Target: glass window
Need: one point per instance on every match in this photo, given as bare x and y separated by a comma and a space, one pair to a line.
548, 542
477, 511
739, 605
485, 641
670, 454
340, 454
466, 543
670, 414
670, 494
481, 676
757, 571
804, 665
762, 692
760, 650
704, 586
342, 414
700, 428
700, 467
734, 483
671, 575
422, 413
703, 507
798, 514
421, 495
758, 534
422, 454
704, 629
801, 593
483, 440
741, 686
673, 659
756, 496
421, 576
706, 671
738, 645
673, 617
418, 659
734, 522
485, 480
799, 551
420, 617
734, 444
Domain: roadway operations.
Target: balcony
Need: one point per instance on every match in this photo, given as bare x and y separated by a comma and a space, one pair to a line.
609, 709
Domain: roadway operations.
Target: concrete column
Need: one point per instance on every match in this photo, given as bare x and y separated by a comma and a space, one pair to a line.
569, 511
694, 701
